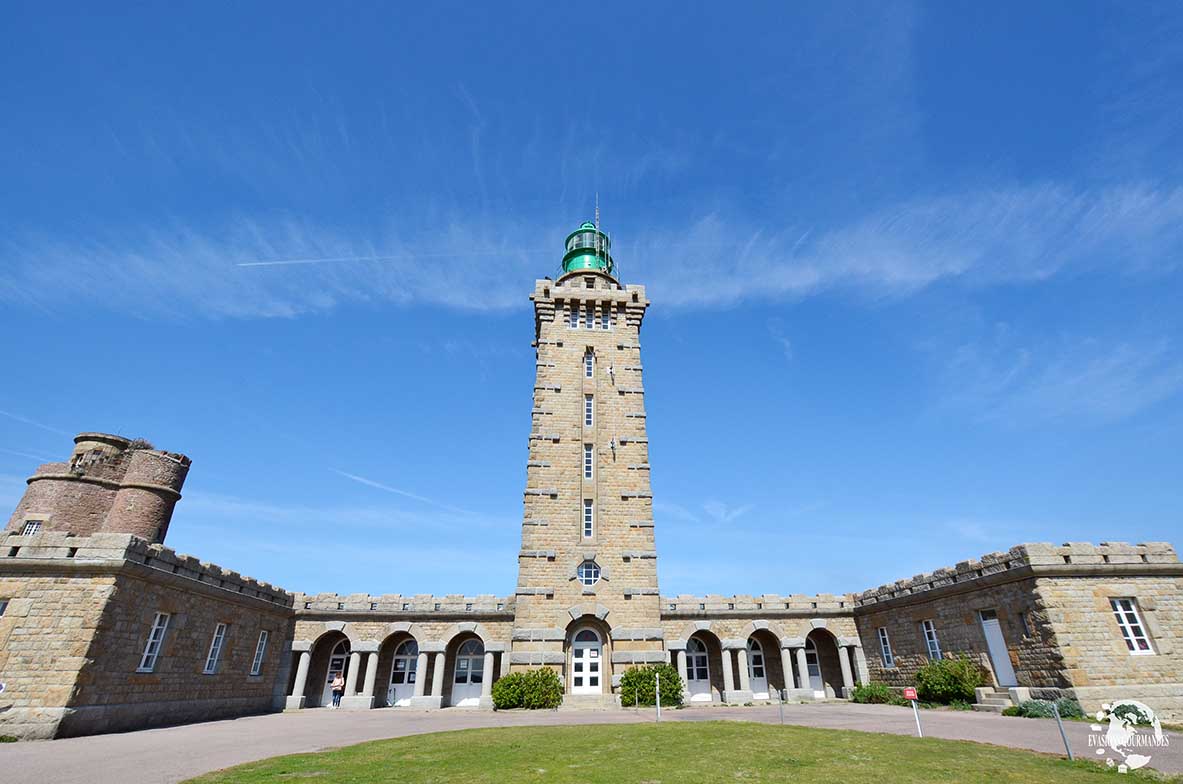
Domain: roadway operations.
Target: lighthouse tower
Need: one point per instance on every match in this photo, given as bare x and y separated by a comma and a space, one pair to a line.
587, 598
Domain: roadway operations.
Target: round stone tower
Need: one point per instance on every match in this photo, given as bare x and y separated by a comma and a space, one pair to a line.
111, 484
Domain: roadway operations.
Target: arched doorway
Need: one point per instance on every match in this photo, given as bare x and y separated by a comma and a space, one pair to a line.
469, 674
698, 671
757, 670
587, 663
338, 665
821, 657
403, 674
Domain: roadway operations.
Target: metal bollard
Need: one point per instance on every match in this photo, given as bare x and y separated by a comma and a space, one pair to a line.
1063, 735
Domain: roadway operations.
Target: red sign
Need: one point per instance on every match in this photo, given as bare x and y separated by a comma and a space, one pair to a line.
909, 693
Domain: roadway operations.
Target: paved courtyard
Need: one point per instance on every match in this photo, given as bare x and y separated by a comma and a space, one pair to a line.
175, 753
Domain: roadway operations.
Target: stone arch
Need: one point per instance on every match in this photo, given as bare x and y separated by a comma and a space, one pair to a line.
392, 638
321, 650
465, 628
825, 643
696, 626
595, 622
701, 630
761, 624
588, 608
768, 637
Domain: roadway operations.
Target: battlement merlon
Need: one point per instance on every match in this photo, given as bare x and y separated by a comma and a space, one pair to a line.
1032, 558
55, 551
398, 604
551, 298
765, 604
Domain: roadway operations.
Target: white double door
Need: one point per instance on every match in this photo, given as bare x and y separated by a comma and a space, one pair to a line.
338, 665
470, 674
698, 671
587, 663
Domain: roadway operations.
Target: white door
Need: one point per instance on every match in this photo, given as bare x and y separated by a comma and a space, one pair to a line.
338, 665
698, 674
815, 671
999, 657
587, 663
757, 675
470, 671
402, 675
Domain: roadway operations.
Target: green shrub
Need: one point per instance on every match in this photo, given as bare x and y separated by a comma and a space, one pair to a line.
509, 690
961, 705
542, 689
946, 680
638, 685
1042, 709
1013, 710
872, 694
1069, 708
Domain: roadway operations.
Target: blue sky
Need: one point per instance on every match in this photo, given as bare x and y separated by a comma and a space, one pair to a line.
915, 273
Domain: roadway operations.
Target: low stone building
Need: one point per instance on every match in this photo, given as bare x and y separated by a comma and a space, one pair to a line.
102, 628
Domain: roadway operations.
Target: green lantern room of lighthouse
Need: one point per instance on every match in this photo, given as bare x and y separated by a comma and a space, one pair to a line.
588, 248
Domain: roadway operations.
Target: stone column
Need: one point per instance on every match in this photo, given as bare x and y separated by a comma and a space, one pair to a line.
420, 673
844, 662
371, 674
802, 670
860, 666
745, 682
786, 666
728, 678
351, 680
680, 656
437, 677
487, 681
296, 701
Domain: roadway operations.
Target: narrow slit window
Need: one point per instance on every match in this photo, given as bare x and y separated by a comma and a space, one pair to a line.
1133, 631
606, 317
588, 460
589, 518
588, 410
589, 316
215, 649
931, 644
573, 315
589, 365
155, 640
885, 648
260, 652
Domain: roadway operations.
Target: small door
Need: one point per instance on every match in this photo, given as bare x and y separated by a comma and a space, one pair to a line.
757, 675
587, 664
402, 675
698, 675
470, 672
1004, 673
338, 665
815, 670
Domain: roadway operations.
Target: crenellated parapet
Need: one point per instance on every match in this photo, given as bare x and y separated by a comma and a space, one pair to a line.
54, 551
765, 603
1024, 559
399, 604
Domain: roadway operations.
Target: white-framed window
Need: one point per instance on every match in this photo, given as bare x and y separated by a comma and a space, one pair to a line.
589, 316
589, 409
1125, 610
885, 648
929, 629
589, 518
31, 527
155, 640
606, 317
260, 652
215, 649
589, 460
589, 573
573, 315
589, 365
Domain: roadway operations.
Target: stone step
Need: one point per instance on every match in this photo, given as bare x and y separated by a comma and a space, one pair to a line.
1000, 701
588, 702
989, 708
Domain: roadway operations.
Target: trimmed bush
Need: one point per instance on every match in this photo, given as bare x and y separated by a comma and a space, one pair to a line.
1012, 711
946, 680
872, 694
542, 689
509, 690
533, 689
1042, 709
638, 685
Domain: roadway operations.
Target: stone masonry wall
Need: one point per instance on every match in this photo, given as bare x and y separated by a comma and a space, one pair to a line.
81, 612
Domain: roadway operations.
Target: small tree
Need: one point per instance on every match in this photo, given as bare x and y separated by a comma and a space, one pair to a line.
638, 685
948, 680
541, 688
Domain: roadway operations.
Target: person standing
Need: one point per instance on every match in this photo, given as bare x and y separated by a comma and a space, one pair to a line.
338, 689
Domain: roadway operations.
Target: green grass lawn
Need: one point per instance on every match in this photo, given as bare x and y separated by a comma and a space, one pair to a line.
678, 752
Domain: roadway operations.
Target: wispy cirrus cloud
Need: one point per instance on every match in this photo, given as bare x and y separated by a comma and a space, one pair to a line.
1021, 233
1017, 380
